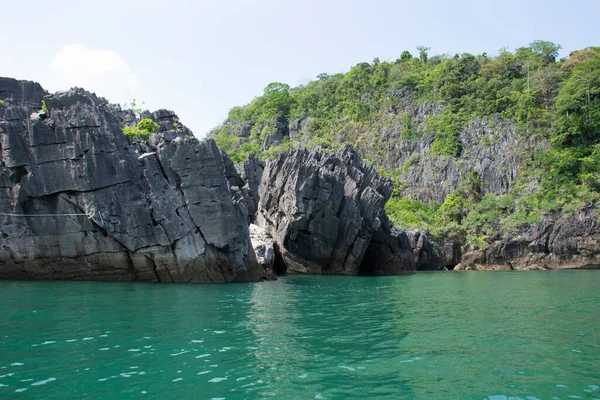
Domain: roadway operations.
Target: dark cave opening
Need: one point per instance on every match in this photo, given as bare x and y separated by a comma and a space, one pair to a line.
279, 267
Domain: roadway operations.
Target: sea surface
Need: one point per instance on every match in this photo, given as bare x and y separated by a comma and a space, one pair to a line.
443, 335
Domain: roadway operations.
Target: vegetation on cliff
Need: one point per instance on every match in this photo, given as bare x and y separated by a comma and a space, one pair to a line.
553, 105
142, 130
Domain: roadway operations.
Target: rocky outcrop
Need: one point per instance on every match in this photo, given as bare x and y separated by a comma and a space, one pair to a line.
554, 243
263, 247
430, 255
389, 252
300, 125
242, 130
273, 132
492, 151
250, 171
491, 156
80, 201
325, 215
26, 93
169, 123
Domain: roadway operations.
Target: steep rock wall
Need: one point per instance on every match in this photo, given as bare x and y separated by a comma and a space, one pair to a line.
325, 212
554, 243
80, 201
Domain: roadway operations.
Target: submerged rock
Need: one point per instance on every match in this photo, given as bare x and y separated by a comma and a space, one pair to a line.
78, 200
325, 211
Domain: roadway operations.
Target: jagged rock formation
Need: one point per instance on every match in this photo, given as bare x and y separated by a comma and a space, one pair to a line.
554, 243
263, 247
250, 171
492, 151
273, 132
26, 93
80, 201
491, 154
325, 212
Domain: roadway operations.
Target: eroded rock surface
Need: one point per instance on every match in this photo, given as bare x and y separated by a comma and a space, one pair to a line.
80, 201
554, 243
325, 211
263, 247
250, 171
492, 154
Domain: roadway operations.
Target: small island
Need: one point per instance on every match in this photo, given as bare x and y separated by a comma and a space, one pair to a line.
423, 163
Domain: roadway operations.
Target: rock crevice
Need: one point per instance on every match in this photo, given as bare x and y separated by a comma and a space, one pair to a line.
325, 213
170, 217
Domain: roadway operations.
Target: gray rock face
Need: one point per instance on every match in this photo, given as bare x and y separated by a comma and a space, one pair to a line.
250, 171
26, 93
491, 152
554, 243
169, 123
242, 130
325, 212
389, 253
80, 201
431, 256
276, 131
263, 247
300, 125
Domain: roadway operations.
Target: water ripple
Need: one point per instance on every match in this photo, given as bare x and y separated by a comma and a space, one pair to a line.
500, 335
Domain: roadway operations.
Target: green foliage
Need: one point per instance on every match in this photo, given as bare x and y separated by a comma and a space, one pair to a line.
1, 101
277, 101
377, 105
225, 141
142, 131
410, 161
273, 151
131, 133
423, 53
446, 142
548, 51
405, 56
482, 216
44, 106
412, 214
454, 208
409, 131
478, 241
148, 126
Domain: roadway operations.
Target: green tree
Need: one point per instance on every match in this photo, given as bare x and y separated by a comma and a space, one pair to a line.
277, 100
423, 53
405, 56
548, 51
578, 103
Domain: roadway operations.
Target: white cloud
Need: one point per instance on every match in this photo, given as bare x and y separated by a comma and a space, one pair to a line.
101, 71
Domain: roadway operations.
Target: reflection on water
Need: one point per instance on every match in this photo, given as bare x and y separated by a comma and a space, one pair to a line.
494, 335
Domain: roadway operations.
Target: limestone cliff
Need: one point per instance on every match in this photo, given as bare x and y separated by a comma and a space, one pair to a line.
78, 200
557, 242
325, 214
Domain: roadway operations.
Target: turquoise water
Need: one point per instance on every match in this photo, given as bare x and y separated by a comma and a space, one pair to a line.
454, 335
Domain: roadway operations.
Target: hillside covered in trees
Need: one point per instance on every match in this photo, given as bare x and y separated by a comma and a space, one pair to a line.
478, 147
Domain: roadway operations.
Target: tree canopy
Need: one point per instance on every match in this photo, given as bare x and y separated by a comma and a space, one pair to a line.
557, 100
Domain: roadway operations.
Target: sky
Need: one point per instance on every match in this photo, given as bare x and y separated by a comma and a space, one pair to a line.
201, 58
